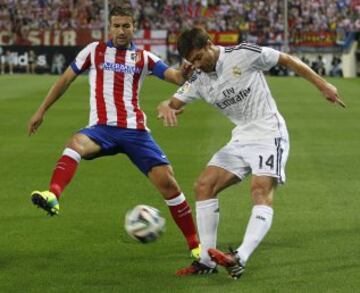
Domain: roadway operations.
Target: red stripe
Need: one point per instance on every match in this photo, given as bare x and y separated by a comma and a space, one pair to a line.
86, 64
99, 89
119, 90
147, 36
140, 123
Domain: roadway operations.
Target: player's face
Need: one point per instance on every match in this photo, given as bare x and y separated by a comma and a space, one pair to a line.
122, 30
204, 59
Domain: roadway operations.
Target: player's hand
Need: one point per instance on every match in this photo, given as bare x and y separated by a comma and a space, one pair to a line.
187, 69
331, 94
35, 122
168, 114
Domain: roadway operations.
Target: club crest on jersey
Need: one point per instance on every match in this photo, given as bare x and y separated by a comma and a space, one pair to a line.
136, 57
236, 71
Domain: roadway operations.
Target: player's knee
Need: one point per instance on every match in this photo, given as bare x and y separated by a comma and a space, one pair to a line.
262, 190
204, 189
76, 144
170, 185
165, 180
261, 196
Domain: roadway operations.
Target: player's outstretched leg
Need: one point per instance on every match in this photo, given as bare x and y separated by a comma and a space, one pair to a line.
196, 268
181, 213
63, 173
163, 178
230, 261
47, 201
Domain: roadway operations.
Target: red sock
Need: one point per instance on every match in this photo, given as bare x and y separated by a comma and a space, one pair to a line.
62, 175
181, 213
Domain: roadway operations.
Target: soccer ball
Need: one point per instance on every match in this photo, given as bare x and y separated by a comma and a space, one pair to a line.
144, 223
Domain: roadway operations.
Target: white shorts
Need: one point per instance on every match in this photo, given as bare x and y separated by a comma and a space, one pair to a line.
265, 157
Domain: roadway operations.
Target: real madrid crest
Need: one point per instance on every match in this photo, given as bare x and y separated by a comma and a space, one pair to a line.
236, 71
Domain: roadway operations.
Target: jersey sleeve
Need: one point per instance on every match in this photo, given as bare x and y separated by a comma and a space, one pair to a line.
266, 59
187, 93
156, 66
82, 61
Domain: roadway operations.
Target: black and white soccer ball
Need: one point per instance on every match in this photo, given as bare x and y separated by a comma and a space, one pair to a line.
144, 223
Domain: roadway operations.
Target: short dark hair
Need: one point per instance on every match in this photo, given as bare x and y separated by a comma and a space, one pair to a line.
124, 10
188, 40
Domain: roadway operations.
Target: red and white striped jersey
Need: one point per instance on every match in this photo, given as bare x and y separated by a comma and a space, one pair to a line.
115, 78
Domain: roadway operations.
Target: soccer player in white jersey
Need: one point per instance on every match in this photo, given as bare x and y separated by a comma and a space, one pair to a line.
117, 124
232, 80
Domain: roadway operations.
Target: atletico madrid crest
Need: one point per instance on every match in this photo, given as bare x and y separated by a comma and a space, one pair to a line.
136, 56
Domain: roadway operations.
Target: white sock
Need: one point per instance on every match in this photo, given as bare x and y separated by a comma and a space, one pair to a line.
72, 154
207, 217
259, 224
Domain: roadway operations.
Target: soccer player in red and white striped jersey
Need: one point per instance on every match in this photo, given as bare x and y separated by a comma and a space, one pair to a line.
116, 123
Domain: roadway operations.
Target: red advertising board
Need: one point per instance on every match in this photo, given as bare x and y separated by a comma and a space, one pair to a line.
313, 39
82, 37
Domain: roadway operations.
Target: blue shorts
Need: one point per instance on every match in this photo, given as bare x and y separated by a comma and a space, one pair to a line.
138, 145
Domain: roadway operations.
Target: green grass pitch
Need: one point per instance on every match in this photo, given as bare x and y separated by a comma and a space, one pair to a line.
314, 243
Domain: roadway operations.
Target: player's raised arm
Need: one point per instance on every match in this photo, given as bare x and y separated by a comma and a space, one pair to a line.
168, 109
56, 91
328, 90
179, 75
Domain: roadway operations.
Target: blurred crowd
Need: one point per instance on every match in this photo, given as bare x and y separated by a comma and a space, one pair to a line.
257, 21
261, 18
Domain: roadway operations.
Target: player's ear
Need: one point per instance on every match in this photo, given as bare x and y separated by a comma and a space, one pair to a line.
208, 44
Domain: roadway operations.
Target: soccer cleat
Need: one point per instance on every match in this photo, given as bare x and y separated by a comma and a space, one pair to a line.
230, 261
195, 253
47, 201
196, 268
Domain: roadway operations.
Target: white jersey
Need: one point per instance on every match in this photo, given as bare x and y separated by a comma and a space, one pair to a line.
115, 78
238, 89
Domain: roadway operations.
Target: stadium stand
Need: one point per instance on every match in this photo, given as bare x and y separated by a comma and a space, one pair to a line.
317, 23
263, 18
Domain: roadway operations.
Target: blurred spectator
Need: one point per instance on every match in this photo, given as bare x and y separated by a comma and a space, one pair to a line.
31, 66
319, 66
336, 70
7, 62
257, 19
1, 59
305, 60
57, 63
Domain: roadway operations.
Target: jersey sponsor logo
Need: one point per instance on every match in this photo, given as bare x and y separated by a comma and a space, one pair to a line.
231, 97
117, 67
